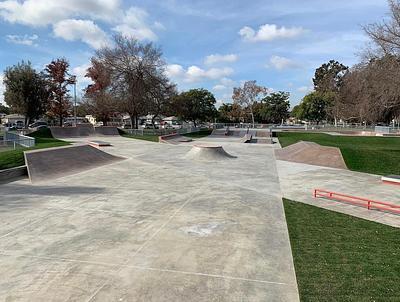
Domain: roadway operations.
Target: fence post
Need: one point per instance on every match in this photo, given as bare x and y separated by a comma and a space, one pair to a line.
315, 193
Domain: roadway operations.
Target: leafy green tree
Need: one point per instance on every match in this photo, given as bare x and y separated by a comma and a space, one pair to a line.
314, 107
329, 77
230, 113
276, 107
26, 91
4, 109
195, 105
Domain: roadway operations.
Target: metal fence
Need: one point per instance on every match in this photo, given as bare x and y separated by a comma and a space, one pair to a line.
12, 141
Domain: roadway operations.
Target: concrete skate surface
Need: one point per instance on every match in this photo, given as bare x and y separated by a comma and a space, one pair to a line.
154, 227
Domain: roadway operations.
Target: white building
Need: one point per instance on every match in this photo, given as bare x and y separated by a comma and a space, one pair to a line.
13, 119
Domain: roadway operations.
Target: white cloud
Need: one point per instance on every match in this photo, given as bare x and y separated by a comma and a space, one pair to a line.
270, 32
23, 40
80, 72
227, 82
217, 58
219, 87
134, 24
281, 63
45, 12
305, 89
195, 74
81, 30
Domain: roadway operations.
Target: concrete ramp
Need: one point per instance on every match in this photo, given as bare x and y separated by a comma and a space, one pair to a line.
174, 139
106, 131
208, 153
83, 130
312, 154
77, 131
219, 132
52, 163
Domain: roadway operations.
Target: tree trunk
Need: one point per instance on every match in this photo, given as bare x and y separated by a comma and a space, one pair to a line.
252, 116
61, 120
132, 121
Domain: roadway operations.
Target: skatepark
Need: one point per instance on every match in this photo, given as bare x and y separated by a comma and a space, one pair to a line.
191, 220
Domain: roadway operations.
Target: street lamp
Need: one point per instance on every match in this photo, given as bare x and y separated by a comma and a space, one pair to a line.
72, 81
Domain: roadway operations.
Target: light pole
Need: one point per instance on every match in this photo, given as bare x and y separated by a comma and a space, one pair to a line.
72, 80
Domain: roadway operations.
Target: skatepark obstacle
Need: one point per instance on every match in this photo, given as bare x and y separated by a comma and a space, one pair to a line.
360, 201
58, 162
391, 179
208, 153
83, 130
312, 154
173, 139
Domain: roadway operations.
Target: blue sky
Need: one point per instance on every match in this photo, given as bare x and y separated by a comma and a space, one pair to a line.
212, 44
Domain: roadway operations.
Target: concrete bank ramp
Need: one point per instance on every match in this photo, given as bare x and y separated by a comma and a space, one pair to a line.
47, 164
106, 131
174, 139
312, 154
83, 130
208, 153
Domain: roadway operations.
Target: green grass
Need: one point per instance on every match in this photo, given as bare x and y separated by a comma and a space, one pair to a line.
15, 158
342, 258
200, 134
376, 155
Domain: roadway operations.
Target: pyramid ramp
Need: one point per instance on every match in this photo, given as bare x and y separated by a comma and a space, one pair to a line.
312, 154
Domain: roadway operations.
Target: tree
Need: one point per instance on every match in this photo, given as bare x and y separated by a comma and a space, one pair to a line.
99, 100
58, 78
195, 105
328, 77
328, 80
4, 109
276, 107
26, 91
371, 91
230, 113
314, 107
386, 34
248, 95
137, 73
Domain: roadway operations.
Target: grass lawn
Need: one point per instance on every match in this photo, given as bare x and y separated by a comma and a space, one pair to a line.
376, 155
200, 134
15, 158
338, 257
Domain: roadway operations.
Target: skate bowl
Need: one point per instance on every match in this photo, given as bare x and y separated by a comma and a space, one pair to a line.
174, 139
312, 154
208, 153
83, 130
52, 163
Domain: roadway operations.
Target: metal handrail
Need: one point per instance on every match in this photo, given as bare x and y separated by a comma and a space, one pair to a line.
364, 202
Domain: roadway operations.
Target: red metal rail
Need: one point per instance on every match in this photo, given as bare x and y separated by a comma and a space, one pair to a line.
364, 202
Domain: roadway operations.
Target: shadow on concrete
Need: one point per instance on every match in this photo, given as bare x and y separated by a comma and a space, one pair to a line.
18, 189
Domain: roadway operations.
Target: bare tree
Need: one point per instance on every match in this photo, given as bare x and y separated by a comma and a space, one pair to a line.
386, 34
248, 95
136, 69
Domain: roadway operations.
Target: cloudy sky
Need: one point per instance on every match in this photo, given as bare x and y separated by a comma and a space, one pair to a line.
215, 44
